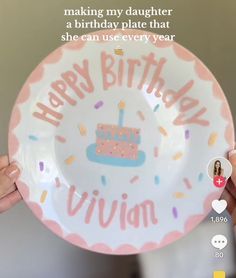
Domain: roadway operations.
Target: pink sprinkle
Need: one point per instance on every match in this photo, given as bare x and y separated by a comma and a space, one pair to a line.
61, 139
41, 166
134, 179
175, 212
187, 134
141, 116
187, 183
57, 181
98, 104
156, 151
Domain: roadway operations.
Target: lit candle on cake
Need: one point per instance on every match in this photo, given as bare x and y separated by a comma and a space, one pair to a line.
121, 106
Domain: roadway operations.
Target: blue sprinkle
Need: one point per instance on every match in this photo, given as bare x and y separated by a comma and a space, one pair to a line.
200, 177
156, 107
103, 180
157, 180
33, 138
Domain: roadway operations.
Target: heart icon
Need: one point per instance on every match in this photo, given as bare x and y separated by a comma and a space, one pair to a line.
219, 206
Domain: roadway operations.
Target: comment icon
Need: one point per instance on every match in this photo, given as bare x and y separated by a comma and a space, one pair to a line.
219, 242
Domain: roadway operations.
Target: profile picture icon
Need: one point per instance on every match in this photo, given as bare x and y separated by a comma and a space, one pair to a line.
218, 170
219, 167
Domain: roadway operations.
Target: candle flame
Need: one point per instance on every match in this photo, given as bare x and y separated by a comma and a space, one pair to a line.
119, 51
121, 104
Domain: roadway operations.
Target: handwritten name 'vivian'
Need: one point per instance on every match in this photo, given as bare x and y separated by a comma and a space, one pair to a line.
140, 215
76, 82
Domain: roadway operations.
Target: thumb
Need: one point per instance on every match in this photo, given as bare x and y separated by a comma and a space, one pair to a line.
8, 176
232, 159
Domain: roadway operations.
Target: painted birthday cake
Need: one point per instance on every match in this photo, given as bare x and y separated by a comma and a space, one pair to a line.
116, 141
116, 144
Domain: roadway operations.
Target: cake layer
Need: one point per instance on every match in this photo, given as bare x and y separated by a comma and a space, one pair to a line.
116, 149
117, 133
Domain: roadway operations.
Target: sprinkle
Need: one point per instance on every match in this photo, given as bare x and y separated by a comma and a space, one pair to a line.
82, 130
163, 131
187, 134
70, 160
119, 51
187, 183
121, 105
141, 116
43, 196
98, 104
134, 179
41, 166
200, 177
33, 138
103, 180
57, 182
156, 151
60, 139
177, 156
212, 139
179, 195
156, 107
157, 180
175, 212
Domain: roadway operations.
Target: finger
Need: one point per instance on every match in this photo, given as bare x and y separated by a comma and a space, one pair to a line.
231, 204
231, 188
8, 176
9, 201
232, 159
10, 190
4, 161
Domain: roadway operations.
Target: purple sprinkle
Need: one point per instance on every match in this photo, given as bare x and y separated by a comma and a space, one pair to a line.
175, 212
98, 104
41, 166
187, 134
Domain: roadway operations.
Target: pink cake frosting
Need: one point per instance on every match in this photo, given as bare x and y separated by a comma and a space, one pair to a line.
116, 141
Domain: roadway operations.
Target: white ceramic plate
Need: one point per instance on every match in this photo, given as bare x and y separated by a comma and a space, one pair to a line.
114, 142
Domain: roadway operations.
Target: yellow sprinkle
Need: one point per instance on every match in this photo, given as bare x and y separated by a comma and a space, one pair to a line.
163, 131
179, 195
177, 155
119, 51
121, 104
43, 196
70, 160
212, 139
82, 130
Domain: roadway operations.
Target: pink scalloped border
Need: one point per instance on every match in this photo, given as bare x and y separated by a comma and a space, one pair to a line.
75, 239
